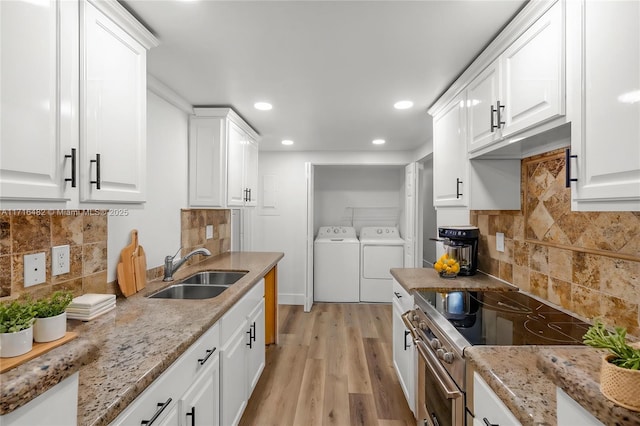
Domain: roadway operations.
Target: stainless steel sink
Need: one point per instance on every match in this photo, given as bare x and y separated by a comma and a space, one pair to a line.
214, 277
203, 285
190, 291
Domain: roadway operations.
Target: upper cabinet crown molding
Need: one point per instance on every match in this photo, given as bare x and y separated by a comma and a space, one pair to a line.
168, 94
229, 113
127, 22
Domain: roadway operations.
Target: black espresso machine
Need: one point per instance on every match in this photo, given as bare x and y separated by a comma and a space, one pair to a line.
461, 243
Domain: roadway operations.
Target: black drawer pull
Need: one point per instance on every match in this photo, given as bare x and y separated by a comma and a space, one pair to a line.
193, 416
398, 295
567, 168
72, 179
97, 161
488, 423
209, 353
161, 407
458, 193
499, 112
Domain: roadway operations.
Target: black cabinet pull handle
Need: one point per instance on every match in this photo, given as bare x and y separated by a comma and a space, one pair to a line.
488, 423
398, 295
209, 352
493, 126
253, 335
249, 194
97, 181
567, 168
72, 179
193, 416
406, 333
161, 407
250, 344
458, 193
499, 112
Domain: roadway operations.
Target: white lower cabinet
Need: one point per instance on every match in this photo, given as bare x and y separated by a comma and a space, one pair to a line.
57, 406
192, 380
488, 408
243, 354
571, 413
404, 352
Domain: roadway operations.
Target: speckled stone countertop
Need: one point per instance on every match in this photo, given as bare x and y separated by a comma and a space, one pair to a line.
525, 379
25, 382
140, 338
429, 279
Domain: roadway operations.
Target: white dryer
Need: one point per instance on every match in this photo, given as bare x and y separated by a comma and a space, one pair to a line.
336, 265
381, 249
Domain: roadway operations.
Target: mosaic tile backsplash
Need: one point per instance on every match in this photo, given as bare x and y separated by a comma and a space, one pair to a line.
586, 262
193, 229
29, 232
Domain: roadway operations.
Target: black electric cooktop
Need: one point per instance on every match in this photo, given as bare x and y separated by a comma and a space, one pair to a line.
505, 318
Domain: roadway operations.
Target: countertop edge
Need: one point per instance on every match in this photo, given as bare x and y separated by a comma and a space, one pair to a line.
427, 279
23, 383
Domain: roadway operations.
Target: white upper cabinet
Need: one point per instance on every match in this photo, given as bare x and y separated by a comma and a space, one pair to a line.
450, 163
533, 77
39, 99
223, 159
113, 107
483, 96
522, 88
73, 94
605, 104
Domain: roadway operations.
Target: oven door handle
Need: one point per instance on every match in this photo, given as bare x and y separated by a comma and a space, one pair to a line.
407, 323
438, 372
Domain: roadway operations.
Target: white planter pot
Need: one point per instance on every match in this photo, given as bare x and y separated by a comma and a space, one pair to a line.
16, 344
50, 329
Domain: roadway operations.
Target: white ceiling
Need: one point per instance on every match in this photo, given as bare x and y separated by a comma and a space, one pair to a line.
331, 69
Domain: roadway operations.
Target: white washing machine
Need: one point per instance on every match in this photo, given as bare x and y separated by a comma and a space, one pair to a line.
381, 249
336, 265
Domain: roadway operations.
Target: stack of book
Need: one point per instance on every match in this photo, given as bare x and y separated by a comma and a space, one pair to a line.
89, 306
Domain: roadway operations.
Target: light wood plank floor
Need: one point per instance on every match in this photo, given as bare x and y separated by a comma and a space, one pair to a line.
333, 366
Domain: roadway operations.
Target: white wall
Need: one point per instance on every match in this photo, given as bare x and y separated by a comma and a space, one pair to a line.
429, 225
158, 221
357, 195
283, 227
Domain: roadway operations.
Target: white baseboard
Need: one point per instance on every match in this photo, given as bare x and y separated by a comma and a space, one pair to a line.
290, 299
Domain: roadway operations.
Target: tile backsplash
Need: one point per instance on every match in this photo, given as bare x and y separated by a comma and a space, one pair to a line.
193, 230
586, 262
25, 232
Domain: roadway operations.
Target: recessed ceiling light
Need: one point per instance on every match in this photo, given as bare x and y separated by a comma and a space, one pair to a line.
263, 106
287, 142
403, 105
378, 141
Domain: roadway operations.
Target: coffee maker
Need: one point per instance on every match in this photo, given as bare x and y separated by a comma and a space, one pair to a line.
461, 243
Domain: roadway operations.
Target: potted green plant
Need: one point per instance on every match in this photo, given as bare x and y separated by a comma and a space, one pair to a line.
16, 328
620, 368
51, 317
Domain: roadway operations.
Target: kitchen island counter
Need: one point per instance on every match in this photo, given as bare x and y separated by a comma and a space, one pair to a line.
142, 337
428, 279
525, 379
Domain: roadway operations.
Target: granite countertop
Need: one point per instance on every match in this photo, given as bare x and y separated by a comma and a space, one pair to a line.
525, 379
139, 339
429, 279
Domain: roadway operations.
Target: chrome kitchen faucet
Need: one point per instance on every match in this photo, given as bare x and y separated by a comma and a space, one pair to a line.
171, 266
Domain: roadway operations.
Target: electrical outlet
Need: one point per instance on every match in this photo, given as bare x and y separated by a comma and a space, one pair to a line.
60, 260
209, 232
500, 241
35, 270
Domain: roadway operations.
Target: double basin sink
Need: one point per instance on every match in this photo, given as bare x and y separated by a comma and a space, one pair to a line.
203, 285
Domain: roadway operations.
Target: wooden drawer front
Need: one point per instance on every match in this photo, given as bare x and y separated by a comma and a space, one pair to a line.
240, 311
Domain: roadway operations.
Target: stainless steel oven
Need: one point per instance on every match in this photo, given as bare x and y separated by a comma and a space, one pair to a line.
443, 324
439, 399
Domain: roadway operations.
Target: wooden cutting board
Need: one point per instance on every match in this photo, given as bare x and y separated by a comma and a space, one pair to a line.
140, 268
126, 267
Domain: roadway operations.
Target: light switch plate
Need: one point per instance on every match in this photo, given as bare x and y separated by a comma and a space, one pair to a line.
209, 232
35, 269
60, 260
500, 241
